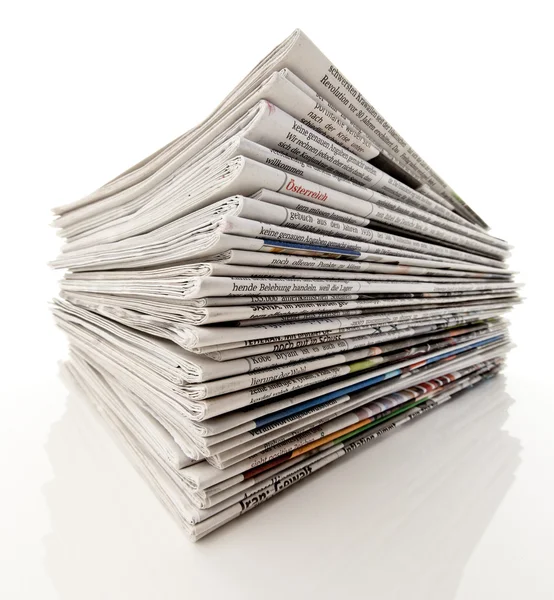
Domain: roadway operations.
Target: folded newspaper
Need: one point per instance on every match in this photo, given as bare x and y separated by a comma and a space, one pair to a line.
283, 284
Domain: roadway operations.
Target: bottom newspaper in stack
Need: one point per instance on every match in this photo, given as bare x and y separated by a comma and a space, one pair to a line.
220, 418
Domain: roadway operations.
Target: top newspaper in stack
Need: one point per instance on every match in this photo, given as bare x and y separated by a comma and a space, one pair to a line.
298, 78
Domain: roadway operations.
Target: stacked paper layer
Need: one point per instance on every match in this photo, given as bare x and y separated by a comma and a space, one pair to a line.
282, 285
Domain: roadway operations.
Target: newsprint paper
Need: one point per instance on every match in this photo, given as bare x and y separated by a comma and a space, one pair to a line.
280, 286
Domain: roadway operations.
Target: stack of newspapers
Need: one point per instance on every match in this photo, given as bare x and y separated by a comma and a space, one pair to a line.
279, 286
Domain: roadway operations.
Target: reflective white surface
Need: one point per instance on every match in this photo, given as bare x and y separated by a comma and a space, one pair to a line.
458, 505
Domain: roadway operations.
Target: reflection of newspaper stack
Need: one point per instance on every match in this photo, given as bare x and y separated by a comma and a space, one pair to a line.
276, 288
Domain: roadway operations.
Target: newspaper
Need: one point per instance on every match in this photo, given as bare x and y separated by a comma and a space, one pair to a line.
303, 346
194, 337
259, 452
203, 474
220, 507
375, 393
180, 367
277, 428
200, 287
507, 304
272, 127
148, 291
261, 393
181, 439
317, 76
300, 340
281, 426
279, 124
277, 211
148, 283
378, 263
190, 229
174, 310
279, 286
239, 381
353, 326
189, 398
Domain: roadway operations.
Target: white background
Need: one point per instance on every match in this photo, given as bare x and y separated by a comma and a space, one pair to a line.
453, 507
